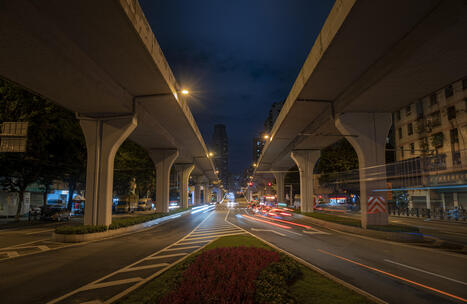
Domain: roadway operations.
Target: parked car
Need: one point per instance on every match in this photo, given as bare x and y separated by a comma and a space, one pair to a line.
145, 204
56, 213
122, 207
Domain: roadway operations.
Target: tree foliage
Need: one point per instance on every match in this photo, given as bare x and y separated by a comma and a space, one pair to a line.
132, 161
55, 146
338, 157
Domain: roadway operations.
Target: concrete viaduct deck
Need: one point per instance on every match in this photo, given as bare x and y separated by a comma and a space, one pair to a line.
370, 59
111, 71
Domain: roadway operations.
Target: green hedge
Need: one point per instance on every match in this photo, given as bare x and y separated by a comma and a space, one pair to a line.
116, 223
80, 229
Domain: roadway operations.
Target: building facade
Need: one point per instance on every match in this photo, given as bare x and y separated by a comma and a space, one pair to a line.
220, 144
431, 145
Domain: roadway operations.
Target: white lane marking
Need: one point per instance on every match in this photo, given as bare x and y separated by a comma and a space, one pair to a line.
112, 283
427, 272
316, 231
214, 228
22, 244
166, 256
268, 230
217, 236
130, 289
11, 254
181, 248
43, 247
317, 269
145, 267
40, 231
214, 233
194, 242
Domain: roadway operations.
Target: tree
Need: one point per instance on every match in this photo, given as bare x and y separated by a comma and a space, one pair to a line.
53, 136
132, 161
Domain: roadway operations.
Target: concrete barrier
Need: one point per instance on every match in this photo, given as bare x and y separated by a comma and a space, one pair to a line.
77, 238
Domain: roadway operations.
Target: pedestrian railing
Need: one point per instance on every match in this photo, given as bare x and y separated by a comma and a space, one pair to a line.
454, 214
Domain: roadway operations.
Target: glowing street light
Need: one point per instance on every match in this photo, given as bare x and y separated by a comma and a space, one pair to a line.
266, 136
210, 154
185, 92
254, 164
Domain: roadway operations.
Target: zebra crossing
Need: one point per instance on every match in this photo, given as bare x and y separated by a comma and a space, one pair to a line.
116, 285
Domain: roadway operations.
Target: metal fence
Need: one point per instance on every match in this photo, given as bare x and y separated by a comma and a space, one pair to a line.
454, 214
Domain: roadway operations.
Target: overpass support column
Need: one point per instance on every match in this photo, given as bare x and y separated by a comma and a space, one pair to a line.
367, 134
184, 171
280, 177
163, 160
306, 160
206, 193
103, 138
218, 194
197, 195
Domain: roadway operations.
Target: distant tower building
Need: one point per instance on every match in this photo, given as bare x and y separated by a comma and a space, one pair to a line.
258, 145
221, 150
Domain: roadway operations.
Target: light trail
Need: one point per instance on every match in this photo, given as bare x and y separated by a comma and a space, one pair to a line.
274, 224
395, 276
284, 221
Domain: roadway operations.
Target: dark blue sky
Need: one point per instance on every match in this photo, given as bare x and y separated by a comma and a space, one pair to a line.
238, 56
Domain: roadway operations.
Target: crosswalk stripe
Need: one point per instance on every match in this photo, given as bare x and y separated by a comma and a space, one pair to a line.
144, 267
215, 236
194, 242
166, 256
111, 283
11, 254
216, 232
181, 248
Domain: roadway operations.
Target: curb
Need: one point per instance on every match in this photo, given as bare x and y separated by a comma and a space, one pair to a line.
317, 269
78, 238
390, 236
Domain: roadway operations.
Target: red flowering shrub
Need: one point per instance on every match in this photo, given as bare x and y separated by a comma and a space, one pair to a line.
222, 275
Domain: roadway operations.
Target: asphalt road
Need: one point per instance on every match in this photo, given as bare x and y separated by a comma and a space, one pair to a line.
451, 231
102, 270
395, 273
40, 278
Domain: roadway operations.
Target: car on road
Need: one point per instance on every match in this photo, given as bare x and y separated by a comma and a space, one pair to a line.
145, 204
56, 213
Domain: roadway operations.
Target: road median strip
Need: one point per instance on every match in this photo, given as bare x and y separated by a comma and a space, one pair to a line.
281, 281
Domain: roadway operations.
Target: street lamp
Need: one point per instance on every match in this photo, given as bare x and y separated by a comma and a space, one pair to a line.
185, 92
254, 164
210, 154
265, 136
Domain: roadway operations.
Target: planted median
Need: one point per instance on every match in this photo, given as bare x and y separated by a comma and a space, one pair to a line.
117, 223
241, 269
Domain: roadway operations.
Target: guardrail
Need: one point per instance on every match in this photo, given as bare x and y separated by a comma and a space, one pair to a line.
454, 214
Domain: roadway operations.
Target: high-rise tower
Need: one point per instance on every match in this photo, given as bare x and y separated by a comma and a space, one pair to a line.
221, 150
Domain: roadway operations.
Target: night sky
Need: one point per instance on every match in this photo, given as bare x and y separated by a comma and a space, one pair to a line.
238, 57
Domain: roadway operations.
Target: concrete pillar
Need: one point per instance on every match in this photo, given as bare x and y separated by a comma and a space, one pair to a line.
218, 195
163, 160
367, 134
306, 160
428, 199
443, 200
184, 171
455, 199
206, 193
103, 138
280, 177
198, 194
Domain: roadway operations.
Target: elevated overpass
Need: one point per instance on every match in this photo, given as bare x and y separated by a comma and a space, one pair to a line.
101, 60
370, 59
